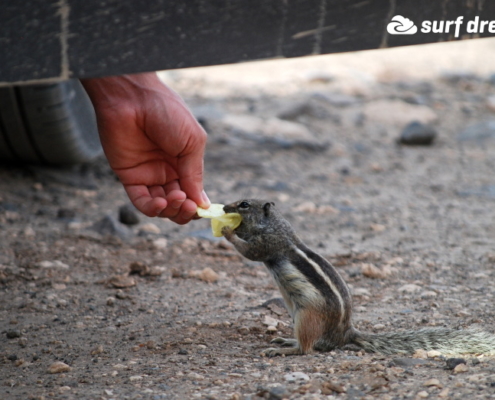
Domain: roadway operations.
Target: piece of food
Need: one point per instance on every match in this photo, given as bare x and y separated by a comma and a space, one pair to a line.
219, 218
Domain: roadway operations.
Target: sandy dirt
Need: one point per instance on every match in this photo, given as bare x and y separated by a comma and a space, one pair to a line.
93, 309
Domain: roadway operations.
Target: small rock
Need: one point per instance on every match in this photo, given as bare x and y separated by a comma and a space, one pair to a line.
270, 321
428, 294
433, 382
444, 393
195, 376
150, 228
135, 378
360, 292
420, 353
423, 394
122, 281
378, 327
52, 264
328, 388
490, 103
418, 134
296, 376
409, 288
451, 363
161, 243
461, 368
399, 113
12, 357
271, 329
207, 275
433, 354
110, 301
371, 271
183, 352
29, 232
140, 268
13, 334
128, 215
58, 367
66, 213
278, 393
294, 110
108, 225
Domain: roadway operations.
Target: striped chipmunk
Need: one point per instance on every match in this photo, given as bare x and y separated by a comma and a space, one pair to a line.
319, 300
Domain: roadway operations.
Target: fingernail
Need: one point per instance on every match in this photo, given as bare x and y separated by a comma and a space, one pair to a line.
206, 200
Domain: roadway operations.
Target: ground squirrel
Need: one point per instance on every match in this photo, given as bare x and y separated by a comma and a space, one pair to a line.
319, 300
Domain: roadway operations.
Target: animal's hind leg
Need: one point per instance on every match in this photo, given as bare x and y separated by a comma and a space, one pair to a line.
309, 327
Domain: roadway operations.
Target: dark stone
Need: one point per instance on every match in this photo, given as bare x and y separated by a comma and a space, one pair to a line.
277, 393
183, 352
12, 357
418, 134
66, 213
451, 363
13, 334
128, 215
108, 225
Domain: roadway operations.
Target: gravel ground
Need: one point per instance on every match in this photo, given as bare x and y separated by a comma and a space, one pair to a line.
94, 308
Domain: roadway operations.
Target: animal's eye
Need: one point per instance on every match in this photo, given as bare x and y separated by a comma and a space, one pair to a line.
244, 205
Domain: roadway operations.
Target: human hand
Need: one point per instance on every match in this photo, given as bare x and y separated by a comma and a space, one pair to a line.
152, 142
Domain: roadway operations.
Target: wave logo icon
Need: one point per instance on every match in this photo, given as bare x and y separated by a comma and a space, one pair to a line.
401, 26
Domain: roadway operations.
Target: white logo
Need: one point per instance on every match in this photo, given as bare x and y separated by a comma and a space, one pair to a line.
401, 26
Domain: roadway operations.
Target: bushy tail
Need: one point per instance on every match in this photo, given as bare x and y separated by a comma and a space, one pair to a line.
446, 341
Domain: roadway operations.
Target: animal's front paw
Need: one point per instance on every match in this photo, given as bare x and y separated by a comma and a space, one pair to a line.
227, 232
271, 352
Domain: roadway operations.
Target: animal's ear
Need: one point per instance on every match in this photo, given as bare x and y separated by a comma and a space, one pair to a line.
266, 208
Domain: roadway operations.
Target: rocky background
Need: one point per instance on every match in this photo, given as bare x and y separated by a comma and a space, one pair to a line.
384, 163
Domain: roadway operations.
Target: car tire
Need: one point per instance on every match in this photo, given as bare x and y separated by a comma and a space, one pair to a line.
51, 124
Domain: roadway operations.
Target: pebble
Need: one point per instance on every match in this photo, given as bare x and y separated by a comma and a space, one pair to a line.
428, 294
278, 393
452, 363
161, 243
409, 288
399, 113
122, 281
13, 333
128, 215
433, 354
433, 382
294, 110
150, 228
460, 368
423, 394
360, 292
110, 301
52, 264
58, 367
135, 378
195, 376
296, 376
418, 134
206, 275
371, 271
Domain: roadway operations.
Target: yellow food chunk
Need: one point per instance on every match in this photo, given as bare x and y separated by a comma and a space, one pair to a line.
215, 210
219, 218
